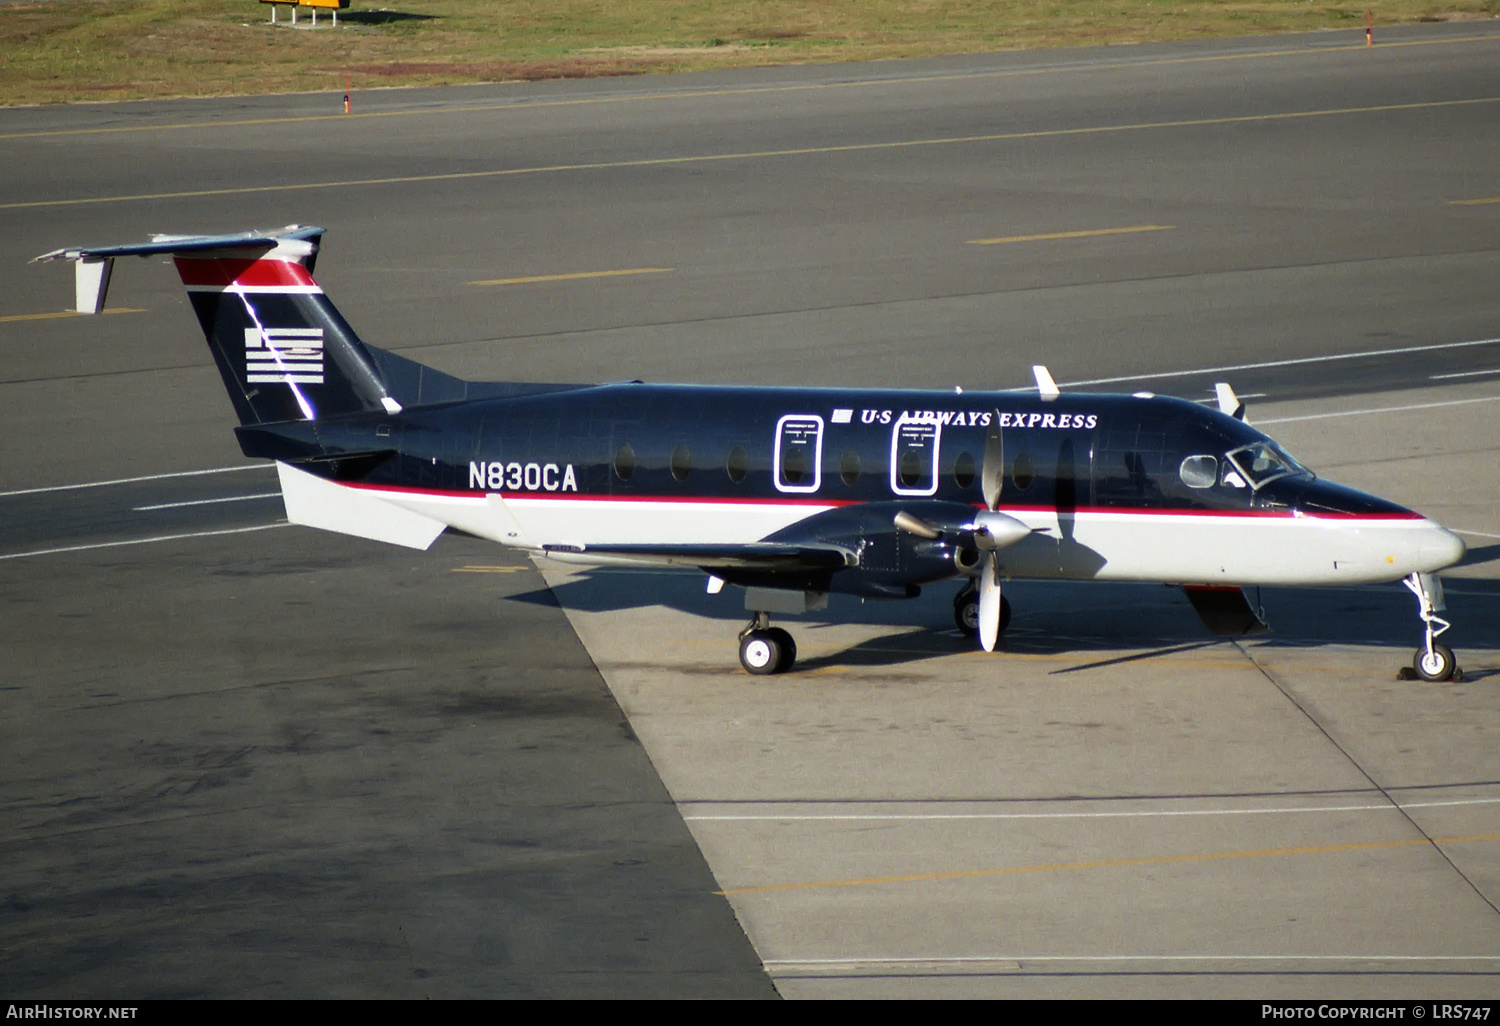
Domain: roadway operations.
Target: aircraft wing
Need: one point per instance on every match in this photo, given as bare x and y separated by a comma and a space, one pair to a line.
768, 556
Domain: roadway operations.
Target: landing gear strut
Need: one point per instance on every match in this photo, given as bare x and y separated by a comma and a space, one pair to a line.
966, 611
765, 649
1433, 662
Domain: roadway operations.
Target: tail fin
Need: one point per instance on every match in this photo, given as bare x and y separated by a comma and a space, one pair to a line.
283, 350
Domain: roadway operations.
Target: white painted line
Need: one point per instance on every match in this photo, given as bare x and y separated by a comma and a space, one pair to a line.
1464, 374
1211, 401
141, 541
792, 963
206, 502
1381, 409
1139, 814
133, 480
1476, 534
1284, 363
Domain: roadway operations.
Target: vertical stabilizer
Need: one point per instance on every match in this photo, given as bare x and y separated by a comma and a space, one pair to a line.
283, 350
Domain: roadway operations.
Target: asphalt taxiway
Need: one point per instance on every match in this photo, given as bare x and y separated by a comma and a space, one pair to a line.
252, 759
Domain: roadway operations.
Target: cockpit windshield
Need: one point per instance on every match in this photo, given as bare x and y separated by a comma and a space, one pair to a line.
1264, 462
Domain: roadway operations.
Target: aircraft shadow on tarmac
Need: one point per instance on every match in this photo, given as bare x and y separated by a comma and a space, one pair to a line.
1144, 620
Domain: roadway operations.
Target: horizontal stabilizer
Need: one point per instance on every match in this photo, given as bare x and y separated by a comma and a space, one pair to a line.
298, 240
95, 264
315, 502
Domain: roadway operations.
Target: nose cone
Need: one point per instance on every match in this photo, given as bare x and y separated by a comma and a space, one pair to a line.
1440, 547
1382, 537
1321, 498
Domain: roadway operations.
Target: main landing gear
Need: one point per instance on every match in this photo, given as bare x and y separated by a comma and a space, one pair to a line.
1433, 662
765, 649
966, 610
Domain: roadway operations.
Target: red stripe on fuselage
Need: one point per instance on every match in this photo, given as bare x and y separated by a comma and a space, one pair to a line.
1184, 512
585, 497
222, 272
788, 501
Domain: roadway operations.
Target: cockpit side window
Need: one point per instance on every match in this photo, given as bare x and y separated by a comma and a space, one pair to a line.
1260, 463
1199, 471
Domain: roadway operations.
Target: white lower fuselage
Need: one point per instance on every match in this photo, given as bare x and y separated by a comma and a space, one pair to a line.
1104, 545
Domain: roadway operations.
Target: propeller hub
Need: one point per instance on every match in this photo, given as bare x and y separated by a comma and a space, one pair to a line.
993, 530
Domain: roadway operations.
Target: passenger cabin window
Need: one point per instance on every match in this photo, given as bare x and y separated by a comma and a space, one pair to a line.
682, 463
624, 462
963, 470
1021, 471
799, 453
849, 467
914, 454
737, 465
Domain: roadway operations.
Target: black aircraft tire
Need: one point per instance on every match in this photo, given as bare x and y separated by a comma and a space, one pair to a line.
966, 612
1437, 666
788, 649
761, 652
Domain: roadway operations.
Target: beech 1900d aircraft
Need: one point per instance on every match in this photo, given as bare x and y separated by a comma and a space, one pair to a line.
789, 493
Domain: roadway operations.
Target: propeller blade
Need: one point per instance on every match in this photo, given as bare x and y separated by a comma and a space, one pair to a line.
916, 525
992, 473
989, 603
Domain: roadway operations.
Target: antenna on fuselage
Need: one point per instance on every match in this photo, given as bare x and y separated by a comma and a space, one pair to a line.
1045, 386
1229, 403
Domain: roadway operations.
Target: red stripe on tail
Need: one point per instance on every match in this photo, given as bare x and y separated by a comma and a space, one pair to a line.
222, 272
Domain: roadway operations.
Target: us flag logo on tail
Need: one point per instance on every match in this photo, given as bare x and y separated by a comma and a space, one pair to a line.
284, 355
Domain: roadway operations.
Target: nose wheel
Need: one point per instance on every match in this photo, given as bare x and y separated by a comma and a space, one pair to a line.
1433, 661
765, 649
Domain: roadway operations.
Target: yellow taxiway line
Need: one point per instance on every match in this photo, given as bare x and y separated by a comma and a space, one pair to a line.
63, 313
1073, 235
574, 276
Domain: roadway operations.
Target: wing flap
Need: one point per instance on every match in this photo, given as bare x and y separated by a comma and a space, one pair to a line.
768, 556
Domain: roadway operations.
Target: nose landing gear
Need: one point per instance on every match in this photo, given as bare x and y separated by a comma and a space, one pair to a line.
765, 649
1433, 661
